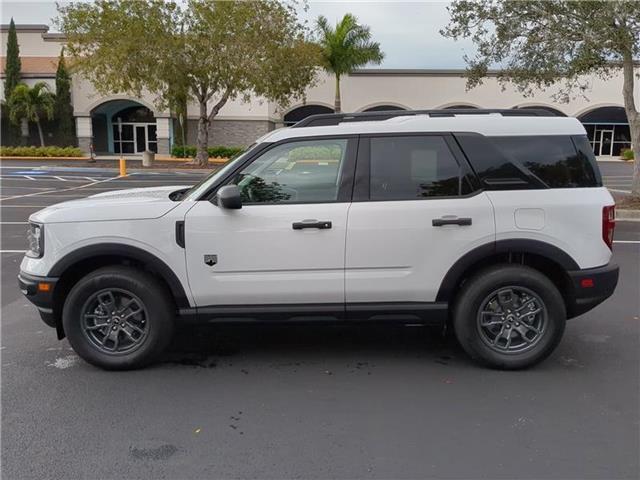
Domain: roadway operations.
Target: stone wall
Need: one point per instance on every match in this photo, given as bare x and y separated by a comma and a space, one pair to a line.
231, 133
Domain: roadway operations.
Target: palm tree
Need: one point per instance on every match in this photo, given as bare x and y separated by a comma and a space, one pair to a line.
31, 105
346, 47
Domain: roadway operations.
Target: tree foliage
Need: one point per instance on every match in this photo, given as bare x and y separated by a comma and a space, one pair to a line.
13, 64
537, 44
12, 78
346, 47
212, 51
33, 104
63, 110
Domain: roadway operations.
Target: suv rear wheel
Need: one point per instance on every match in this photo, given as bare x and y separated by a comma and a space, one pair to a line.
118, 318
509, 317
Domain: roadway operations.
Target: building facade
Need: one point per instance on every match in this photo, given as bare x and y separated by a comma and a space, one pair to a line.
123, 124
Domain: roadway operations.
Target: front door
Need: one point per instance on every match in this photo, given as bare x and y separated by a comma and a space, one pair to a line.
286, 244
606, 142
416, 220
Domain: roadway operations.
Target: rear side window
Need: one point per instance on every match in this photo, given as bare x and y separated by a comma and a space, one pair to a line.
553, 159
412, 167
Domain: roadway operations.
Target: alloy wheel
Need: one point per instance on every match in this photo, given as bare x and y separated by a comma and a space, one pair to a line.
115, 321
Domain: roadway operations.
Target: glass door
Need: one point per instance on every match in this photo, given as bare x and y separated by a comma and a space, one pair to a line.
606, 142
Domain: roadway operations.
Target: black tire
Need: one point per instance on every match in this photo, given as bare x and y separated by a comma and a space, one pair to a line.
145, 326
494, 290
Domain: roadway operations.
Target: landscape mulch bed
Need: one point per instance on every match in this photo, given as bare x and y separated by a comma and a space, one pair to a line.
628, 203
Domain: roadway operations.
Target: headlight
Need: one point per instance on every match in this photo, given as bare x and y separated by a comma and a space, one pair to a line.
35, 240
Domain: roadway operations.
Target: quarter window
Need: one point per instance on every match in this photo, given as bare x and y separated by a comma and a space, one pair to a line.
412, 167
553, 159
297, 172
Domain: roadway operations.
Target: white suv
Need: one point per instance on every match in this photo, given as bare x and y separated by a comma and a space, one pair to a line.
495, 222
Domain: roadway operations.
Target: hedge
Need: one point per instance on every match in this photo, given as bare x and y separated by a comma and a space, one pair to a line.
627, 154
333, 152
215, 152
41, 152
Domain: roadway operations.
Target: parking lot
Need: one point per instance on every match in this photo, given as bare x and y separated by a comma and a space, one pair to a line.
309, 401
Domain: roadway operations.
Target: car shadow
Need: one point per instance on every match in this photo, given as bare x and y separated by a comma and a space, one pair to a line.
207, 346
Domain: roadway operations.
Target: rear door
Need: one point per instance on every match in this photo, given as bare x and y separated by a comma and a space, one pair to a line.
416, 211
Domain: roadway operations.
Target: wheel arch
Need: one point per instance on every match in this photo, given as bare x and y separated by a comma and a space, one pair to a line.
73, 266
544, 257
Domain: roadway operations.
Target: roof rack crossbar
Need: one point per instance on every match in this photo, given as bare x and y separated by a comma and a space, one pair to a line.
327, 119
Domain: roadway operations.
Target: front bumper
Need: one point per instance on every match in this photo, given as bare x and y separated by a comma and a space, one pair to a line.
590, 287
39, 291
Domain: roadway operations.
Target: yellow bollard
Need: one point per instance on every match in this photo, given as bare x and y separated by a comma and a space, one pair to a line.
123, 167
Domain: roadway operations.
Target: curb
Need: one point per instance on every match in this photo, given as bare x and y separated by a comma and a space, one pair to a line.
160, 158
149, 170
623, 215
55, 159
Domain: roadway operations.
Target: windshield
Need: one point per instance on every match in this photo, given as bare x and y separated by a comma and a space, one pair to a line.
203, 185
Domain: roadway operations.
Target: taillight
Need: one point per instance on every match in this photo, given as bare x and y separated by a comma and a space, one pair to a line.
608, 224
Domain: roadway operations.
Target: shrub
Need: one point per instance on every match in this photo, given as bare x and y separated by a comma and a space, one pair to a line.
333, 152
40, 152
189, 151
627, 154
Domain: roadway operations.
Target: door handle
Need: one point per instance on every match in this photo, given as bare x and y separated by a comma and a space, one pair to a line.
439, 222
320, 224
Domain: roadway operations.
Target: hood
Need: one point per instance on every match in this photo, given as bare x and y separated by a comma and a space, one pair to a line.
131, 204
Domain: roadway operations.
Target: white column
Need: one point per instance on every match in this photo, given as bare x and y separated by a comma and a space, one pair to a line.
162, 133
84, 133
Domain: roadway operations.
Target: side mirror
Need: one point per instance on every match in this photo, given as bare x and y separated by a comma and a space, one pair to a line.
229, 197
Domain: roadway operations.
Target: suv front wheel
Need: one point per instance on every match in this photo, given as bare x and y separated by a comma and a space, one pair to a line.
118, 318
509, 316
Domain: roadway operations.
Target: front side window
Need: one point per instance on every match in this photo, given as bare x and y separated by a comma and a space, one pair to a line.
297, 172
412, 167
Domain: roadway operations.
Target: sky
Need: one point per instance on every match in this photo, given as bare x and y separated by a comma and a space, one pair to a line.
408, 31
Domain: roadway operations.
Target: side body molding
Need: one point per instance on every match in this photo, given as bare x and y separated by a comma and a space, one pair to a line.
124, 251
454, 275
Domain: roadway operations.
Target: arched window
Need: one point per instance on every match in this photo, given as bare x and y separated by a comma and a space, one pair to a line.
607, 129
383, 108
303, 112
551, 110
451, 107
135, 114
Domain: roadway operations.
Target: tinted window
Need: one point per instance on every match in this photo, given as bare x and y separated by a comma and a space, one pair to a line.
553, 159
491, 165
296, 172
412, 167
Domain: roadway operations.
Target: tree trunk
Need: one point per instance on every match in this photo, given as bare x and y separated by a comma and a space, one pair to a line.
634, 120
202, 157
40, 133
337, 102
24, 132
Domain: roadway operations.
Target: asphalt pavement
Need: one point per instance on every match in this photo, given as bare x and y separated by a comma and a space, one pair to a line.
308, 401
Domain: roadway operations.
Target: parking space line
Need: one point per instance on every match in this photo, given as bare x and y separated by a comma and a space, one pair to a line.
626, 241
59, 190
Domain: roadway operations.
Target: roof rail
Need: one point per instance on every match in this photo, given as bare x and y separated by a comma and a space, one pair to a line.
327, 119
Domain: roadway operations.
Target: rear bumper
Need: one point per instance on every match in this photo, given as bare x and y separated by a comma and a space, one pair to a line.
33, 288
591, 287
